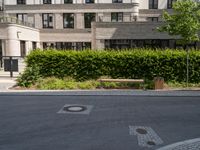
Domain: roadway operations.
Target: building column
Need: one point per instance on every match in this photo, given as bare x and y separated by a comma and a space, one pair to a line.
29, 47
58, 21
93, 34
13, 48
38, 45
79, 23
38, 21
100, 44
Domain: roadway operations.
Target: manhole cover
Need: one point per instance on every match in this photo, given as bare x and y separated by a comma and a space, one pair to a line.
141, 131
152, 143
74, 108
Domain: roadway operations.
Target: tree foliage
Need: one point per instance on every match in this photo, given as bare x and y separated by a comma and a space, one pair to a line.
184, 21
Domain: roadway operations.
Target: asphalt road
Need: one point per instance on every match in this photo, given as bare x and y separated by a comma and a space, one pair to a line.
33, 122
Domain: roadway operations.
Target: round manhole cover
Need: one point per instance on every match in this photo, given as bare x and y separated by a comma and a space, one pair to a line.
141, 131
74, 108
152, 143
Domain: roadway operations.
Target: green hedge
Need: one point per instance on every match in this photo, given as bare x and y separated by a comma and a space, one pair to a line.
83, 65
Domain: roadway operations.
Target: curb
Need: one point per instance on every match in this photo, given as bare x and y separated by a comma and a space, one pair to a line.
147, 93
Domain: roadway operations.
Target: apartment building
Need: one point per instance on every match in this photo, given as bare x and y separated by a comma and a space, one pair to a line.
81, 24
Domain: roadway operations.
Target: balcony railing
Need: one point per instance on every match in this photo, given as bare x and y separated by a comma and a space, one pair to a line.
16, 21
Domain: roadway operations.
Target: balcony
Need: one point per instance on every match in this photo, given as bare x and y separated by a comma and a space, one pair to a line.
69, 7
15, 21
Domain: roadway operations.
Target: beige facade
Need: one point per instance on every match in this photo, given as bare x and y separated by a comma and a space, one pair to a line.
13, 35
79, 25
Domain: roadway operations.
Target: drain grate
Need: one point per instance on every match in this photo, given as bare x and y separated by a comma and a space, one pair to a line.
141, 131
151, 143
75, 109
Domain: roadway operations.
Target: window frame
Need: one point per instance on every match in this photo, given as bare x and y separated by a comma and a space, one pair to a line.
48, 21
24, 17
117, 1
88, 24
153, 19
67, 16
154, 4
89, 1
47, 2
68, 1
21, 2
117, 16
170, 4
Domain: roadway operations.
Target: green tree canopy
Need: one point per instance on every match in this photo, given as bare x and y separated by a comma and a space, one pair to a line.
184, 21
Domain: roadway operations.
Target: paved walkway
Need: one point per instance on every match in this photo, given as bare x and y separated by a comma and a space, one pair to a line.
193, 144
6, 83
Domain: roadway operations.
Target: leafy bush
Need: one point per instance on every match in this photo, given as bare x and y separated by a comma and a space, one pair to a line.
29, 77
140, 63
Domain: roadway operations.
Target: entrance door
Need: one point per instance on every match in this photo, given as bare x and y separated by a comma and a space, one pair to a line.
23, 48
1, 54
1, 48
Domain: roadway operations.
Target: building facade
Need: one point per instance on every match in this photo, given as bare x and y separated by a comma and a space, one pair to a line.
81, 24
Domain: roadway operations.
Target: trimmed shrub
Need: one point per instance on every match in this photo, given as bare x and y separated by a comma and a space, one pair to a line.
86, 65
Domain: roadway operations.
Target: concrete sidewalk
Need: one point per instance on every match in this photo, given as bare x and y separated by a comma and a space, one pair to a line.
6, 83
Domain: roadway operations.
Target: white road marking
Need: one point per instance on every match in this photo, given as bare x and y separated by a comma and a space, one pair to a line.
145, 139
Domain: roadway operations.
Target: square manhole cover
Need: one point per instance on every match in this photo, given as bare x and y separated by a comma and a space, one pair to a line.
75, 109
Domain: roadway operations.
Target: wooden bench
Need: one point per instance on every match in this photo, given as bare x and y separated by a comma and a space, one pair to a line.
124, 80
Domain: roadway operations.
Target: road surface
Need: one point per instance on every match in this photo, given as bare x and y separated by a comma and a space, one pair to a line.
47, 122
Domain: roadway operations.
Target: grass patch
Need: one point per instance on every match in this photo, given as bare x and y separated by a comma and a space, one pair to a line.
181, 85
53, 83
68, 83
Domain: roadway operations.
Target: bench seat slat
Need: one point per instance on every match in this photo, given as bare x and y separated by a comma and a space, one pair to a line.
122, 80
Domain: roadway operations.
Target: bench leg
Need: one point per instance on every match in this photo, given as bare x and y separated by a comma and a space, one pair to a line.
101, 86
143, 87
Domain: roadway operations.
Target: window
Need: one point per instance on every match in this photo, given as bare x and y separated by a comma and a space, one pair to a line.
117, 1
46, 1
23, 48
89, 18
120, 44
22, 17
153, 19
89, 1
153, 4
170, 3
133, 43
68, 20
68, 1
34, 45
67, 45
47, 20
1, 6
117, 17
21, 1
48, 45
1, 49
64, 46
